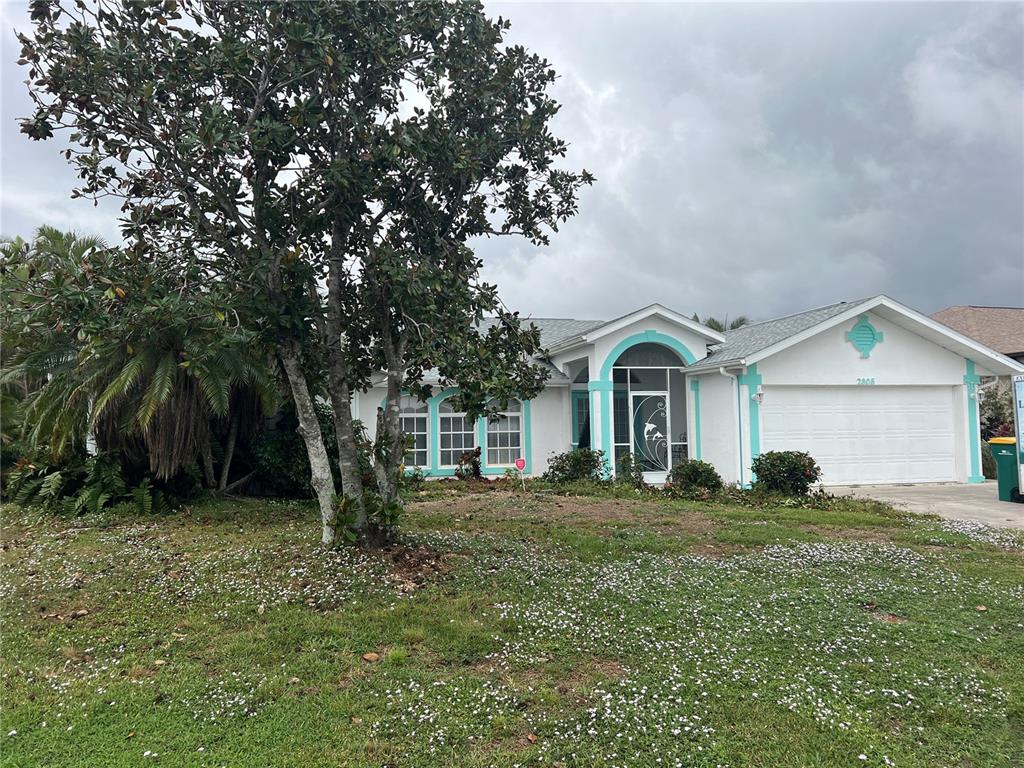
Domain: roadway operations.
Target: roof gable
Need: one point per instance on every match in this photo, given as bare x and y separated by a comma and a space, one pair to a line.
752, 344
598, 330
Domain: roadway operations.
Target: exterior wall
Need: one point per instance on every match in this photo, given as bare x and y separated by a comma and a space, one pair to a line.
899, 358
719, 435
546, 428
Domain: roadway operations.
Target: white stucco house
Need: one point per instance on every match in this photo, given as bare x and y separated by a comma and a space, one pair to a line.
875, 391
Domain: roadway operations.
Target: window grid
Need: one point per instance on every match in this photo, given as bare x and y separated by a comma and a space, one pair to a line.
416, 428
458, 435
504, 439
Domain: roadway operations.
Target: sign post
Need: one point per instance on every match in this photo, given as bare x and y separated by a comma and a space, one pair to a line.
521, 465
1018, 421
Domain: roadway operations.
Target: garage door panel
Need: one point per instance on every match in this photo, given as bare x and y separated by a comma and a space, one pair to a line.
865, 434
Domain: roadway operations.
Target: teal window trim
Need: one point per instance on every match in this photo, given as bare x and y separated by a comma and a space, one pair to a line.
604, 385
695, 388
434, 438
577, 395
971, 382
481, 433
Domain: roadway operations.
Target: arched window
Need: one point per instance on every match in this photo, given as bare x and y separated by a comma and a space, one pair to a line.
413, 418
505, 434
457, 435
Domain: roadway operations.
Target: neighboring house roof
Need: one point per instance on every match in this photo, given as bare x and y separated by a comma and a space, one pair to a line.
1001, 328
750, 344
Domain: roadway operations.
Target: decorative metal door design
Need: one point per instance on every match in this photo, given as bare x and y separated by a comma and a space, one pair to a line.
649, 416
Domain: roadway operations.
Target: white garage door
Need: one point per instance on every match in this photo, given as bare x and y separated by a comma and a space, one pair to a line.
865, 434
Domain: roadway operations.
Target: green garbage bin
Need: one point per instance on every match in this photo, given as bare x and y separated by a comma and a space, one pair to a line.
1004, 451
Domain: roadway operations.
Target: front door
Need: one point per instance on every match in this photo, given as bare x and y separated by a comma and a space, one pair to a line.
649, 420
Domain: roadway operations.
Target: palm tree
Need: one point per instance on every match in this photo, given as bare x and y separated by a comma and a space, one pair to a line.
114, 351
723, 325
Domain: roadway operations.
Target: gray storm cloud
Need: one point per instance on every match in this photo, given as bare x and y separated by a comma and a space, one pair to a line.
753, 159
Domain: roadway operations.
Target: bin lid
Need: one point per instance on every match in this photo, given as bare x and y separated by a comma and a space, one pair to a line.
1003, 441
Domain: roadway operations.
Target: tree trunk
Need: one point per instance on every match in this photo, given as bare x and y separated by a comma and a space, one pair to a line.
309, 427
338, 379
229, 452
390, 450
209, 478
348, 448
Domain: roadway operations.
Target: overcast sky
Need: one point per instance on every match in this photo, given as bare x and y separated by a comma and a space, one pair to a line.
755, 159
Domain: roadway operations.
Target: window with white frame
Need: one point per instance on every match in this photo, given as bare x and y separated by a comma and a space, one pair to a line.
457, 434
413, 418
504, 434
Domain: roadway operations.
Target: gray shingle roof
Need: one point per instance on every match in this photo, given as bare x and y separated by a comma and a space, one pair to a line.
554, 329
750, 339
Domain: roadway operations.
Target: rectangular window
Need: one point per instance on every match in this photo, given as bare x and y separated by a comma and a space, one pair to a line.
504, 439
415, 430
458, 435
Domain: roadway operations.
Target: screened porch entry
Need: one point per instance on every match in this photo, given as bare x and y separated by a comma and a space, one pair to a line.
648, 409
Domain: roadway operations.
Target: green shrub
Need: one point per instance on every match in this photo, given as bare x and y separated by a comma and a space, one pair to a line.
575, 465
282, 464
791, 473
694, 479
629, 472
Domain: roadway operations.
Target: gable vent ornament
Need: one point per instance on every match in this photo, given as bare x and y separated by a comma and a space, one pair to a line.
864, 336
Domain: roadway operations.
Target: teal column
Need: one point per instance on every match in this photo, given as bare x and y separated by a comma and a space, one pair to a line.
695, 388
604, 390
752, 380
971, 382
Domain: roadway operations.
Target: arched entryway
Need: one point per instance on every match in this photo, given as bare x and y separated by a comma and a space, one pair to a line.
642, 389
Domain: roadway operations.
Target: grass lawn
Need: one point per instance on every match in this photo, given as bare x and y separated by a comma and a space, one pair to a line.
513, 629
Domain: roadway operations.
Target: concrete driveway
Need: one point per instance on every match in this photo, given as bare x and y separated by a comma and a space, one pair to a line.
956, 501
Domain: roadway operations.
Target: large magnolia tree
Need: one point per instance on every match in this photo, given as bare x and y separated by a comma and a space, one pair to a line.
331, 161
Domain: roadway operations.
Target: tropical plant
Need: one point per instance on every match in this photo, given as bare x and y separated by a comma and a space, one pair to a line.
722, 325
82, 487
112, 348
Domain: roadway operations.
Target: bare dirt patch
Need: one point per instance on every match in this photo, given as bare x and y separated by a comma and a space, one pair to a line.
505, 506
885, 617
415, 567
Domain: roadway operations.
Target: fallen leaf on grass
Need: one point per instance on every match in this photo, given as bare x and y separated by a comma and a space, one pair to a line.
371, 657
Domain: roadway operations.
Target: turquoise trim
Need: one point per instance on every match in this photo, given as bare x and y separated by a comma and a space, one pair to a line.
655, 337
604, 384
695, 388
752, 380
864, 336
481, 434
576, 396
971, 382
434, 438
